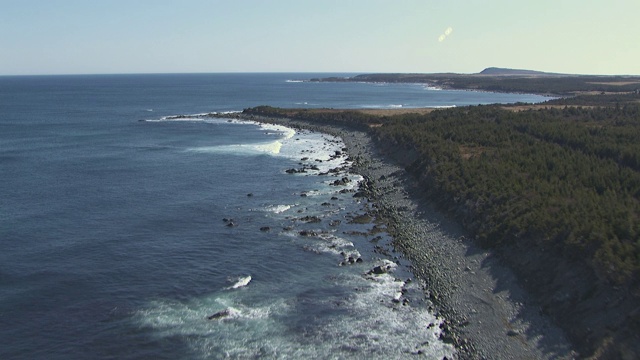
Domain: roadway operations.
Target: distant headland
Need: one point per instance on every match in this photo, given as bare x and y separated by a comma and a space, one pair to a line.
509, 80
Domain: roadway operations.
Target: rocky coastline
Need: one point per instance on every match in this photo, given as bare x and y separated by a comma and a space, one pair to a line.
487, 314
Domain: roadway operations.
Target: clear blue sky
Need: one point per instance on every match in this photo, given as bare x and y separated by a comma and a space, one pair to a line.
157, 36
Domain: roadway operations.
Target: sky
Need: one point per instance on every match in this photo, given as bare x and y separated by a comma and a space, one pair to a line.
358, 36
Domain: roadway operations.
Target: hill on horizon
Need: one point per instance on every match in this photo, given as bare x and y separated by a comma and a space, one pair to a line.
496, 71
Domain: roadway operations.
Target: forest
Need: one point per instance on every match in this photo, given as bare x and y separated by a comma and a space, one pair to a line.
565, 178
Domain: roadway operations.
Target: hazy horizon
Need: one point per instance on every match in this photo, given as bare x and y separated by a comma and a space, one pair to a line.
351, 73
329, 36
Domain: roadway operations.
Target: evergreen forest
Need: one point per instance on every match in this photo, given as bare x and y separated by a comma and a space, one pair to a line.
563, 177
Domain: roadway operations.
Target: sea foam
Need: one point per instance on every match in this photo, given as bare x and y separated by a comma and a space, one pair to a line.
368, 320
272, 147
240, 282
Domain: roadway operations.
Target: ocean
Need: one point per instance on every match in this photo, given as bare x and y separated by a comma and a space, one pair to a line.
128, 231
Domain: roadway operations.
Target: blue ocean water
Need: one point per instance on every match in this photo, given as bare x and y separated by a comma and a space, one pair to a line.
112, 238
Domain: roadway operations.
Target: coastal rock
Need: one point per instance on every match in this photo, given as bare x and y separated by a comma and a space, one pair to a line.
513, 333
265, 228
220, 315
385, 267
341, 182
360, 194
350, 258
308, 233
310, 219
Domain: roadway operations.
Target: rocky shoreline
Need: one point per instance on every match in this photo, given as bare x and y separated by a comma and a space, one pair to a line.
488, 315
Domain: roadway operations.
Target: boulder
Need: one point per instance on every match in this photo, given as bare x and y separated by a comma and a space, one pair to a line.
341, 182
384, 268
310, 219
219, 315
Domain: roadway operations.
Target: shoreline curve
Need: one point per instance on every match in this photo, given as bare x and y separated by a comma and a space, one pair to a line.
488, 315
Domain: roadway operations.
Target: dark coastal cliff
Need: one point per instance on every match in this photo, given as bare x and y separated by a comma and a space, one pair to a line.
554, 191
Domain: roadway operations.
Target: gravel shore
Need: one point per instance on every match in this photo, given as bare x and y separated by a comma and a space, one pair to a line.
487, 314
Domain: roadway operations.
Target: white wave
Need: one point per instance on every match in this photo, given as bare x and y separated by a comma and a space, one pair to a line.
170, 317
320, 149
314, 193
272, 147
387, 325
432, 88
442, 106
334, 245
278, 209
388, 265
295, 81
182, 119
287, 132
381, 106
370, 322
240, 282
220, 149
204, 118
226, 314
194, 117
198, 117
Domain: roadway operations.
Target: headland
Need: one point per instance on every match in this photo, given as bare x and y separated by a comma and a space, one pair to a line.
541, 199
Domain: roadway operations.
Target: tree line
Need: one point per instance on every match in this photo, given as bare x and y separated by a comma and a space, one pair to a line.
564, 179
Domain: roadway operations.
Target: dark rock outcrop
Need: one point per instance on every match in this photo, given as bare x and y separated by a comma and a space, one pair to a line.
220, 315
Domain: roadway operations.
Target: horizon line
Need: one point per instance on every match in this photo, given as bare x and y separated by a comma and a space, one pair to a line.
303, 72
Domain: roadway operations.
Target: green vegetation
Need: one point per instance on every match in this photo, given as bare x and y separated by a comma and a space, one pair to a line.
598, 100
563, 179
